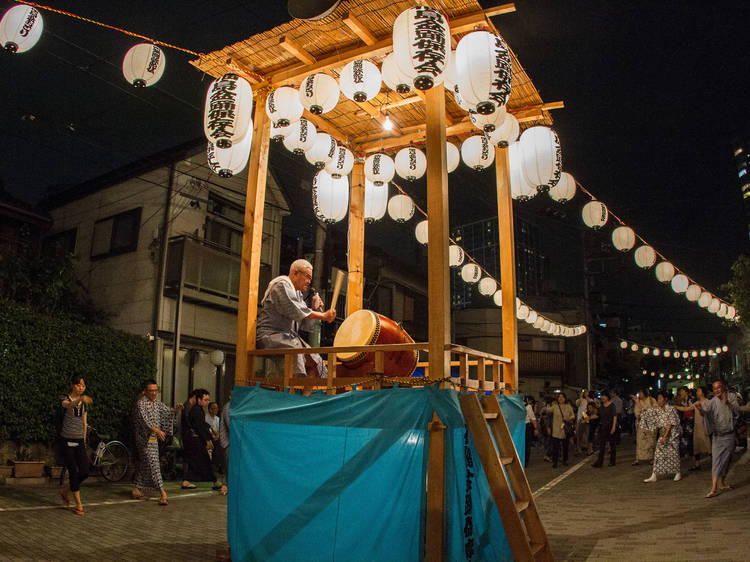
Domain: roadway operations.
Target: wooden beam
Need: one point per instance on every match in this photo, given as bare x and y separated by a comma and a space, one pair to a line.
500, 10
360, 30
376, 114
435, 516
236, 66
355, 279
294, 48
438, 287
324, 125
417, 136
252, 238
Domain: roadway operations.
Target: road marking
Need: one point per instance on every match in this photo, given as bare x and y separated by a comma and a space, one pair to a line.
552, 483
104, 502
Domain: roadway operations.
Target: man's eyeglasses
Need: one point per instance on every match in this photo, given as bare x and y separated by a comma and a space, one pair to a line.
307, 275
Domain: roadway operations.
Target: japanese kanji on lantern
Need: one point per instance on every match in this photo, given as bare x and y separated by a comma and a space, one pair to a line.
228, 162
283, 106
490, 122
228, 110
143, 65
301, 137
376, 201
565, 189
342, 162
477, 152
319, 93
323, 150
330, 197
541, 157
455, 255
360, 80
594, 214
483, 71
471, 272
421, 42
20, 28
411, 163
379, 168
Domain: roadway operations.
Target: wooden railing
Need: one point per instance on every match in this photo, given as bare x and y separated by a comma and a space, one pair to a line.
377, 378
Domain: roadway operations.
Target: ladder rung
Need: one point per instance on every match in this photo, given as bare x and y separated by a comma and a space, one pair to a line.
536, 548
521, 506
507, 460
490, 416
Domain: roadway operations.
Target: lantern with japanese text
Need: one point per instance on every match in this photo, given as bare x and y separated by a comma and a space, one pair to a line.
453, 156
420, 232
322, 150
278, 133
228, 110
455, 255
531, 318
471, 272
731, 313
228, 162
487, 286
379, 168
421, 42
20, 28
705, 299
483, 71
477, 152
519, 189
449, 75
541, 157
664, 271
330, 197
522, 312
393, 77
680, 283
488, 123
301, 137
565, 189
401, 208
594, 214
342, 163
143, 65
623, 238
693, 292
714, 306
644, 256
360, 80
722, 312
376, 201
319, 93
283, 106
507, 133
461, 102
411, 163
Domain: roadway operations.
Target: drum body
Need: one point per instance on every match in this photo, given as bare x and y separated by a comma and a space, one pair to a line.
365, 327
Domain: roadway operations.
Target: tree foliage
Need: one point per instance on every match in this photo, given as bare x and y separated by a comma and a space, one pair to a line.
738, 289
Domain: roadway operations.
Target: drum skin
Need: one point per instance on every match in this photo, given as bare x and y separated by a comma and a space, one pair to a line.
396, 363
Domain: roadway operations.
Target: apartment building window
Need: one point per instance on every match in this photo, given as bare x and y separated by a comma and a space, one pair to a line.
116, 235
224, 222
62, 242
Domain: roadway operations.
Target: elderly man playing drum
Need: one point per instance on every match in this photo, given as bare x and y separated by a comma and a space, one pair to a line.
284, 311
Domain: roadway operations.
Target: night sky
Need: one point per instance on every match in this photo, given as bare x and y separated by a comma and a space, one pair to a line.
654, 93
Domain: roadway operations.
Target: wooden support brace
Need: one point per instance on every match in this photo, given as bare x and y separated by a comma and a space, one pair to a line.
331, 373
294, 48
356, 279
288, 368
435, 491
360, 30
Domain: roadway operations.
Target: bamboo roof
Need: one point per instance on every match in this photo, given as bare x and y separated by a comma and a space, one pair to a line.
288, 53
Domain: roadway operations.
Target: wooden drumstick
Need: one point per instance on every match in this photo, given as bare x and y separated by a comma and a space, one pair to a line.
337, 288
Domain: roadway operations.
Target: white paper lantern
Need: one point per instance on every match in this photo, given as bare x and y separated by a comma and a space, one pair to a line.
228, 110
680, 283
228, 162
541, 157
731, 312
487, 286
216, 357
693, 292
623, 344
507, 133
722, 312
522, 312
519, 189
278, 133
342, 163
531, 318
453, 156
455, 255
20, 28
449, 75
644, 256
546, 324
705, 299
664, 271
393, 77
420, 231
685, 354
646, 351
330, 197
594, 214
322, 151
623, 238
497, 298
411, 163
283, 106
491, 122
319, 93
360, 80
421, 42
714, 306
143, 65
477, 152
471, 272
693, 353
301, 137
379, 168
634, 347
401, 208
483, 70
667, 353
656, 352
376, 201
565, 189
461, 102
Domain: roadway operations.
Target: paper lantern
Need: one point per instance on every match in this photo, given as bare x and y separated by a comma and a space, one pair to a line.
539, 322
623, 344
693, 354
411, 163
497, 298
565, 189
393, 77
702, 353
477, 152
20, 28
594, 214
228, 162
731, 312
522, 312
531, 318
421, 42
541, 157
401, 208
714, 306
634, 347
483, 71
667, 353
471, 272
455, 255
519, 189
644, 256
664, 271
705, 299
718, 350
449, 75
488, 123
680, 283
507, 133
330, 197
301, 137
461, 102
546, 324
693, 292
656, 352
725, 348
228, 110
322, 151
278, 133
487, 286
283, 106
453, 156
710, 352
360, 80
623, 238
722, 312
216, 357
319, 93
376, 201
342, 163
646, 351
379, 168
420, 231
143, 65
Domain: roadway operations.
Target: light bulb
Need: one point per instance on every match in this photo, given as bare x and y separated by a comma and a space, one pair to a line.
387, 124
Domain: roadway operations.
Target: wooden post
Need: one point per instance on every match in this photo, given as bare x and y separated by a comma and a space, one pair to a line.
507, 269
331, 374
355, 283
438, 286
252, 237
433, 551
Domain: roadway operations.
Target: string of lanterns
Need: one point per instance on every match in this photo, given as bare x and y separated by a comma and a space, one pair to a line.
672, 353
678, 376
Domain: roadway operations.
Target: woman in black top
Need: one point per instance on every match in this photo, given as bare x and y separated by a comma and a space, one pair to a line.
73, 440
197, 442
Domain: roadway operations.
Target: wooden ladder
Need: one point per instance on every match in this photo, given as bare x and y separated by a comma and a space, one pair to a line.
510, 488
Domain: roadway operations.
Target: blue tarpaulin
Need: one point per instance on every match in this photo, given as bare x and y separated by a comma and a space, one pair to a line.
342, 478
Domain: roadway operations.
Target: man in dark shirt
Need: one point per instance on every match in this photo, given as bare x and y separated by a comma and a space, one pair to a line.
607, 430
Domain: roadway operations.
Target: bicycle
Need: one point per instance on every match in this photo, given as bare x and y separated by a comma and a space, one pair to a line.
112, 458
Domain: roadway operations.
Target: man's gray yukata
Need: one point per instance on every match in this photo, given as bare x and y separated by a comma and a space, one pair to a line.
282, 314
719, 418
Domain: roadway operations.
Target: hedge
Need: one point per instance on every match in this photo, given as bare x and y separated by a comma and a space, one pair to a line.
38, 355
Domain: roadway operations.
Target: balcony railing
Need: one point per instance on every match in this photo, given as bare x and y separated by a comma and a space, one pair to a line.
541, 362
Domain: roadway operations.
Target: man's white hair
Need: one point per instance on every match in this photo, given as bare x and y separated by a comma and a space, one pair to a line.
299, 265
